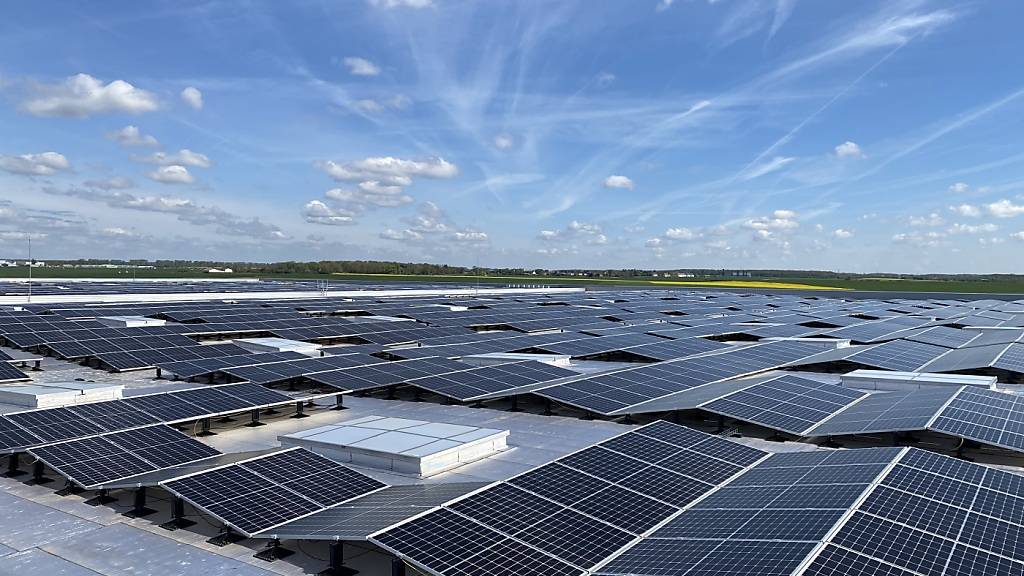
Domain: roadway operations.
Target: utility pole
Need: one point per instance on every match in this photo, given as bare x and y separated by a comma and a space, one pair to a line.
30, 268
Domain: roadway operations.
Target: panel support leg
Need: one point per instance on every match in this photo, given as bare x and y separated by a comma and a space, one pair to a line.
273, 551
300, 410
204, 426
547, 408
225, 537
139, 505
102, 497
12, 466
339, 402
397, 567
336, 561
159, 374
254, 418
178, 519
515, 404
391, 393
37, 474
69, 489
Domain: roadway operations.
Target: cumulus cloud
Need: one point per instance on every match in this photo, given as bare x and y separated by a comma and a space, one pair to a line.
112, 183
82, 95
1005, 209
173, 174
591, 234
381, 181
402, 3
183, 157
431, 223
186, 210
317, 212
1018, 235
966, 210
361, 66
192, 97
43, 164
964, 188
842, 233
779, 220
664, 5
682, 234
616, 181
503, 142
132, 136
932, 220
958, 228
849, 150
393, 170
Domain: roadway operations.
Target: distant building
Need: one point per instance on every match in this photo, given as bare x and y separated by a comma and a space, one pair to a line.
220, 271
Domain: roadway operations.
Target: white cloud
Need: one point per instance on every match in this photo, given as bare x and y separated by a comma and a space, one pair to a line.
360, 199
681, 234
400, 235
131, 136
959, 187
503, 142
192, 97
393, 170
183, 157
317, 212
605, 79
112, 183
82, 95
370, 105
470, 236
117, 232
958, 228
173, 174
576, 230
931, 220
1018, 235
849, 150
616, 181
402, 3
1005, 209
43, 164
664, 5
361, 66
842, 233
966, 210
779, 220
773, 165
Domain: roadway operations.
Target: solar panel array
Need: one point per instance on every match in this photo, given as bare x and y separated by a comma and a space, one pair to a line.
207, 366
358, 518
767, 521
100, 460
787, 403
492, 381
626, 391
900, 355
21, 430
285, 370
386, 373
887, 412
567, 516
258, 494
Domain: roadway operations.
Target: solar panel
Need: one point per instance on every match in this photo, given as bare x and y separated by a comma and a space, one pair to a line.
10, 373
887, 412
579, 509
902, 355
788, 403
99, 460
386, 373
492, 381
261, 493
360, 517
626, 391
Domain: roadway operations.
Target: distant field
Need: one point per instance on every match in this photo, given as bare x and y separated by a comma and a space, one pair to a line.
866, 284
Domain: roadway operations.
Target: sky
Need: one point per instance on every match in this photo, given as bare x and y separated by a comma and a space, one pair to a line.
850, 136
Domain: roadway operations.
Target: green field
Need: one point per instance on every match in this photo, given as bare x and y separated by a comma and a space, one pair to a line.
980, 286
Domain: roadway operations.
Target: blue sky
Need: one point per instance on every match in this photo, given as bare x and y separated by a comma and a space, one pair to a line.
854, 136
